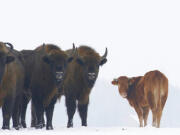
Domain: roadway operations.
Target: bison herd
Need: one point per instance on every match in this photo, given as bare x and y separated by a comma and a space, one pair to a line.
46, 73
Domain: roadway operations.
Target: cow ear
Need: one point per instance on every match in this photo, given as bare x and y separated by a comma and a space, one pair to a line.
9, 59
103, 61
115, 82
47, 60
80, 61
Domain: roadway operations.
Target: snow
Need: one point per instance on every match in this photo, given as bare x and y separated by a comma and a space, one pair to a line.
140, 36
96, 131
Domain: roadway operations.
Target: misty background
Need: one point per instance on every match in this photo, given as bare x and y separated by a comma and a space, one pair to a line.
140, 36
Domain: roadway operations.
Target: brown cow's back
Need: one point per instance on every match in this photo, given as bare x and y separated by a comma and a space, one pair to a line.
155, 87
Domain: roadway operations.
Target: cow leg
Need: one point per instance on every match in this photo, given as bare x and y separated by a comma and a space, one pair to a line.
139, 112
49, 114
154, 113
82, 108
24, 108
39, 110
7, 111
71, 108
16, 112
145, 115
159, 114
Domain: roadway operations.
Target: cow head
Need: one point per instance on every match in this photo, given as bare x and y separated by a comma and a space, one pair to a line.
58, 61
90, 66
123, 85
5, 58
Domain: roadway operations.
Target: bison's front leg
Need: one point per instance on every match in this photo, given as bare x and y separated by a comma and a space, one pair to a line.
7, 111
83, 108
16, 112
71, 108
49, 114
39, 110
140, 115
25, 100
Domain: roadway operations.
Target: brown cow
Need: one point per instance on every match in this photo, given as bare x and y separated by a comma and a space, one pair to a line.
145, 92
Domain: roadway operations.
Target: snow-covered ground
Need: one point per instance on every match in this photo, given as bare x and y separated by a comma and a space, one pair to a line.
96, 131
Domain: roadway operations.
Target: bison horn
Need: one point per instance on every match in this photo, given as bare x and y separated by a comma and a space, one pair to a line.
73, 46
105, 54
11, 46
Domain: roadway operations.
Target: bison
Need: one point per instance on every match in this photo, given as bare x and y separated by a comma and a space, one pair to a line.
11, 84
29, 59
82, 73
49, 69
144, 93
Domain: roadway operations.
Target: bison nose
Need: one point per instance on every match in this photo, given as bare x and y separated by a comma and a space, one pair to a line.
59, 75
91, 76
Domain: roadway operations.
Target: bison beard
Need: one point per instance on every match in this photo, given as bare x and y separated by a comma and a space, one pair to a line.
82, 73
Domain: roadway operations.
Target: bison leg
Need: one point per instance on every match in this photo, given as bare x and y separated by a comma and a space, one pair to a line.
145, 114
16, 112
39, 111
23, 111
82, 108
7, 111
71, 108
49, 114
140, 115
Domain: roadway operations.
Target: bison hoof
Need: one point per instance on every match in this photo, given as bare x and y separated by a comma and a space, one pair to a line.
84, 125
39, 126
5, 127
17, 127
49, 128
23, 124
70, 125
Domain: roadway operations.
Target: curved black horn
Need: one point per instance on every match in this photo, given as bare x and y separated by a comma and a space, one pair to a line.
11, 46
73, 46
105, 54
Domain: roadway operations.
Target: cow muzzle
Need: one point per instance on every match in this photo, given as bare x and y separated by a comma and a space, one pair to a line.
124, 95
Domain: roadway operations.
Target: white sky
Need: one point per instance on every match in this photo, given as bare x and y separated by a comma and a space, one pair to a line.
141, 35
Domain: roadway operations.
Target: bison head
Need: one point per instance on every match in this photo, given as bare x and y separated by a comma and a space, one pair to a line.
58, 61
5, 58
90, 66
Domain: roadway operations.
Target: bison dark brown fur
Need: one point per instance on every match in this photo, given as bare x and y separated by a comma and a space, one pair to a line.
48, 73
82, 73
11, 83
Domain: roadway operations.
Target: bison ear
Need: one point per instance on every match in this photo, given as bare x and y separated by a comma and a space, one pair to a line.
103, 61
80, 61
70, 59
9, 59
47, 60
131, 81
